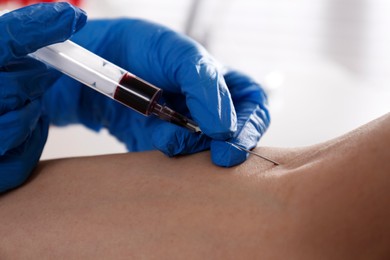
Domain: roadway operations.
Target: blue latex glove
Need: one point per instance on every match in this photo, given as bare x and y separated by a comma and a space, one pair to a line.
227, 105
23, 127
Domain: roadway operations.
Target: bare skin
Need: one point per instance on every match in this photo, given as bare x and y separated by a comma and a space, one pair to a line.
328, 201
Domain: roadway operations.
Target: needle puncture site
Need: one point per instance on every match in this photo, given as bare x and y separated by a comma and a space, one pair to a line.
254, 153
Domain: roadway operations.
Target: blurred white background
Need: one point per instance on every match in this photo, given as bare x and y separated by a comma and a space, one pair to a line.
325, 64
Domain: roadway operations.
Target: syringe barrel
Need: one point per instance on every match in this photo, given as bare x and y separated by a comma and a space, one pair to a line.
100, 74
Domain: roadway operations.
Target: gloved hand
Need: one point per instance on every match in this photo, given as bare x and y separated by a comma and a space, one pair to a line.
227, 105
23, 127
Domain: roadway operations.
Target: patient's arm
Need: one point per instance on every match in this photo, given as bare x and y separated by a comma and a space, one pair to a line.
329, 201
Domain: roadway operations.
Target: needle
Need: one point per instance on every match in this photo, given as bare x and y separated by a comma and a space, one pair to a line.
254, 153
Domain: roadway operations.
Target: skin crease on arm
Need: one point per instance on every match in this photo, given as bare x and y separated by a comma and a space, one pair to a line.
328, 201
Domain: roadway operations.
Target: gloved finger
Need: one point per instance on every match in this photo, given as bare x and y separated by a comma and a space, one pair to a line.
225, 155
17, 164
29, 28
17, 125
175, 140
251, 128
207, 96
202, 83
253, 119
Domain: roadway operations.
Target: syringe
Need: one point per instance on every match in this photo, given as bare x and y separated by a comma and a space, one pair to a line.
115, 82
110, 80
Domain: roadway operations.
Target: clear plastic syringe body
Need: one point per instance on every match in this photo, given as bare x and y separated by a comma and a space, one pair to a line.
110, 80
100, 74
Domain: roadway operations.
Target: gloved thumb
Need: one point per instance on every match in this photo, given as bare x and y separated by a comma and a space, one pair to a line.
29, 28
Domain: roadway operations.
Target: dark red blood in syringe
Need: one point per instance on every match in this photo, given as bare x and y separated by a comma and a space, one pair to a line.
137, 94
142, 97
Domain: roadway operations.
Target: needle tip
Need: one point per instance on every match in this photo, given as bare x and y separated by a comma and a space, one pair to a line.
254, 153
